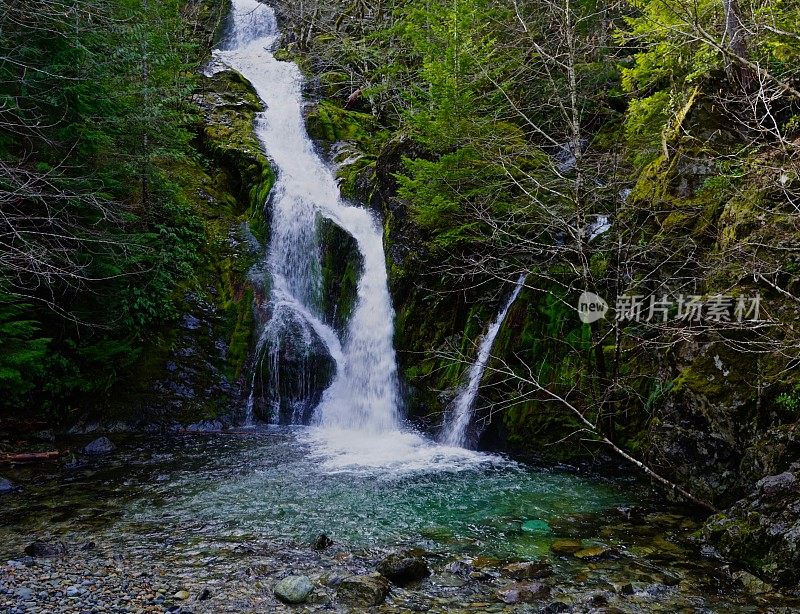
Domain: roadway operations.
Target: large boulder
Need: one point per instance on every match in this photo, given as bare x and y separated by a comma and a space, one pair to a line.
762, 530
363, 591
100, 446
293, 369
293, 589
402, 568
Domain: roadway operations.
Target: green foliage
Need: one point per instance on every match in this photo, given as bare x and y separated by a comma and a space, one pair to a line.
94, 110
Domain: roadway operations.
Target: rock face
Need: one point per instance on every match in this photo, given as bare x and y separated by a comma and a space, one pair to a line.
293, 370
363, 591
763, 529
98, 447
293, 589
401, 568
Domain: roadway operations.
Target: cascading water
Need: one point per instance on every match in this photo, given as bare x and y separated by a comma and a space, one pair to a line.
457, 418
363, 394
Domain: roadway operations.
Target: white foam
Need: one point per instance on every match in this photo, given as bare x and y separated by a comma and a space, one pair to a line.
390, 454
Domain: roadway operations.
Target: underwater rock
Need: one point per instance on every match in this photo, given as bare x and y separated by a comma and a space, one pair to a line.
402, 568
594, 553
527, 570
566, 546
365, 591
293, 589
101, 445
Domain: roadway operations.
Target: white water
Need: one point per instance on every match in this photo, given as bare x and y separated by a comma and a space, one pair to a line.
363, 395
454, 430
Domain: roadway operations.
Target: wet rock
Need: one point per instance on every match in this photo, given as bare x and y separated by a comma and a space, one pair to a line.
449, 580
780, 484
523, 592
84, 428
6, 486
190, 322
403, 567
527, 570
100, 446
181, 595
365, 591
321, 542
566, 546
594, 553
555, 608
484, 562
462, 568
44, 549
752, 584
205, 426
293, 589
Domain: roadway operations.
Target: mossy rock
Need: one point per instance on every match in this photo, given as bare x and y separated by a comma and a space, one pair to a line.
330, 122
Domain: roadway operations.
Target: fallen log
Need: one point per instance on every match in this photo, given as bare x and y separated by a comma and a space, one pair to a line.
30, 457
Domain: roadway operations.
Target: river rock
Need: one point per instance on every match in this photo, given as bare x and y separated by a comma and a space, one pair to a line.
523, 592
101, 445
594, 553
566, 546
527, 570
403, 567
6, 486
205, 426
364, 591
44, 549
293, 589
321, 542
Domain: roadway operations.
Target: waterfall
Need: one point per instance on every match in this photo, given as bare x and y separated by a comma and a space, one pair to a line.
363, 394
459, 412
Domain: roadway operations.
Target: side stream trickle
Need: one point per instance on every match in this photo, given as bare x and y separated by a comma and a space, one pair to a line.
459, 412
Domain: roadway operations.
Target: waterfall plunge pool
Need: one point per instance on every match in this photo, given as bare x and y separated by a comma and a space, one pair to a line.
236, 512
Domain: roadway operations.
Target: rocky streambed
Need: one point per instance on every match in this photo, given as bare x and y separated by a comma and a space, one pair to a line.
235, 523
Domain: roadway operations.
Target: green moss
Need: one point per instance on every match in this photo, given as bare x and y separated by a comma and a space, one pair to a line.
241, 339
329, 122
